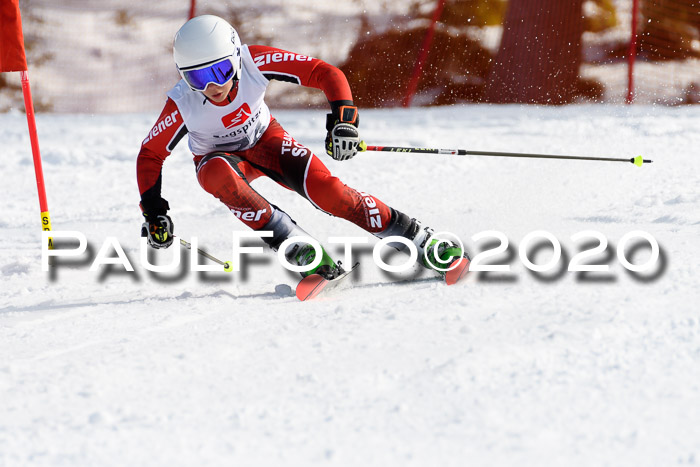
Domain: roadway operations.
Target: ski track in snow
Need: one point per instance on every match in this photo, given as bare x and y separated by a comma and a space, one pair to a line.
114, 368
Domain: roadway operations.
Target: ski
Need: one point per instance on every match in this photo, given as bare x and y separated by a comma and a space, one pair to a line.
312, 285
458, 269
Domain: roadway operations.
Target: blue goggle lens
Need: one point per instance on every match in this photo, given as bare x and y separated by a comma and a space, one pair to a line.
219, 73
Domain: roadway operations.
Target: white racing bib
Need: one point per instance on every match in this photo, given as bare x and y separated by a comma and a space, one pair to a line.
233, 127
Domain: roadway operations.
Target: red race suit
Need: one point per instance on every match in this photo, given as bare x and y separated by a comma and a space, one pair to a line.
236, 141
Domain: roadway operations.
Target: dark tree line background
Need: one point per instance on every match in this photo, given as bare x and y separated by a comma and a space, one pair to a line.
540, 53
538, 60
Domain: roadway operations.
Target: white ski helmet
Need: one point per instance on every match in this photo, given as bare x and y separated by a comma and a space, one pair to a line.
205, 40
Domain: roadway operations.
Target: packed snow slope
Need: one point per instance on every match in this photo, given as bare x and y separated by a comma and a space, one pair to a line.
116, 368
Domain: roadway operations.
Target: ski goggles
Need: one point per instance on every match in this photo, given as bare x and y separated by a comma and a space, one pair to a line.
218, 73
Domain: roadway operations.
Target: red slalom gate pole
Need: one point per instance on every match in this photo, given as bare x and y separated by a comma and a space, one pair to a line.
423, 57
31, 123
193, 7
632, 53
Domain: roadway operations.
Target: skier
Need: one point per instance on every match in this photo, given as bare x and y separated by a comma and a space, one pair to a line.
219, 104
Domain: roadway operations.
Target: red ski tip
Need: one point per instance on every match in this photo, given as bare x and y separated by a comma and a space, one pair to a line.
458, 269
310, 286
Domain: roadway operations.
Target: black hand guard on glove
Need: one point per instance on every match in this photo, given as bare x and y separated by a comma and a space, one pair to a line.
158, 227
342, 139
159, 231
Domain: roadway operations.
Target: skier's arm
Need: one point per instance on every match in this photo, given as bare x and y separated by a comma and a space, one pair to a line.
161, 140
282, 65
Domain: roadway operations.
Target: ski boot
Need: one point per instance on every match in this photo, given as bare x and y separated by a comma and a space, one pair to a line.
440, 255
298, 253
302, 254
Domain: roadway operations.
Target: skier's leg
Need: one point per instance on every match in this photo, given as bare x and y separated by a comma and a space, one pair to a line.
331, 195
433, 253
226, 177
294, 166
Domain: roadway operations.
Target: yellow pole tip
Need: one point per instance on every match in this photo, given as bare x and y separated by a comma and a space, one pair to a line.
228, 267
638, 161
363, 146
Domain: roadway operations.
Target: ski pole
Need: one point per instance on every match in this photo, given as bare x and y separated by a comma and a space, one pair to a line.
638, 161
228, 267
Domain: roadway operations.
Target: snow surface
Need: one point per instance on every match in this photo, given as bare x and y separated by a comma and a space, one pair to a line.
115, 368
